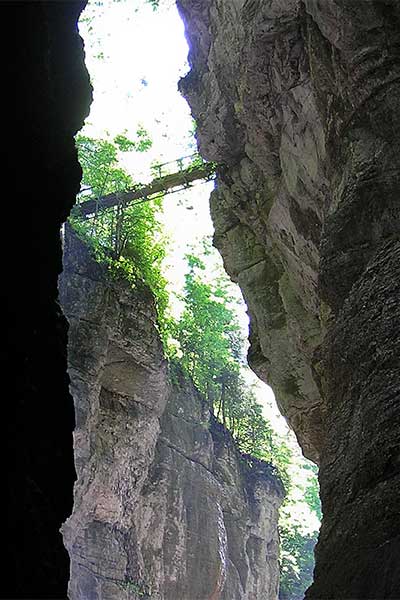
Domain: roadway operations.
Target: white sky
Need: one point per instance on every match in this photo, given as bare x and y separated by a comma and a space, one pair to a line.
143, 55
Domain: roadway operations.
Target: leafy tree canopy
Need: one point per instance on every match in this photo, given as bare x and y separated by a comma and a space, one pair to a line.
128, 238
298, 533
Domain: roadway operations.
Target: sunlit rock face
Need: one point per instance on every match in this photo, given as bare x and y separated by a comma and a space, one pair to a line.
299, 103
165, 506
251, 94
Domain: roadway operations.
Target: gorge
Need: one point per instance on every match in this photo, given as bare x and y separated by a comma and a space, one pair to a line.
165, 505
297, 100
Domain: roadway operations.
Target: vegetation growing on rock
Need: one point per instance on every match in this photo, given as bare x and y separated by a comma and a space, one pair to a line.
206, 340
127, 238
211, 353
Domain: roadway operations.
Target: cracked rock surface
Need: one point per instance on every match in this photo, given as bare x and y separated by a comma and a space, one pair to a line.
165, 506
299, 102
251, 94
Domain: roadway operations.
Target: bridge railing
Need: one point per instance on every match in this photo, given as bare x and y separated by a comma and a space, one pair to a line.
175, 166
169, 177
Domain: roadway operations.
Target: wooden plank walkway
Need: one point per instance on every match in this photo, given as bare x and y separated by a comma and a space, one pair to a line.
163, 184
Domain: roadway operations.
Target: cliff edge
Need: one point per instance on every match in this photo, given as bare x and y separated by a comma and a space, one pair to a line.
165, 507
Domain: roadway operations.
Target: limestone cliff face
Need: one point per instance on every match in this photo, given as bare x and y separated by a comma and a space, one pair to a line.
299, 101
251, 94
165, 506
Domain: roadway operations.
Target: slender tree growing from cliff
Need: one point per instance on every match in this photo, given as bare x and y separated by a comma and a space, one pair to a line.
127, 238
211, 343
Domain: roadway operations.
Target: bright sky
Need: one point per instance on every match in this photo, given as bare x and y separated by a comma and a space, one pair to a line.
135, 57
144, 55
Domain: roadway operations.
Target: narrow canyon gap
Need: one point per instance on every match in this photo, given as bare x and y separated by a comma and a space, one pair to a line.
306, 216
165, 505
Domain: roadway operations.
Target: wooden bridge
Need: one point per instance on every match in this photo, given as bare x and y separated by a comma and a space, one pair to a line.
169, 177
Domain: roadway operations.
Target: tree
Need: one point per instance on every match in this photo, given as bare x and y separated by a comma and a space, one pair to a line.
211, 343
128, 239
311, 495
297, 560
299, 532
206, 332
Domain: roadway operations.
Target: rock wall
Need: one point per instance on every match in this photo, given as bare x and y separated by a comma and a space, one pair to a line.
298, 100
165, 506
46, 95
251, 94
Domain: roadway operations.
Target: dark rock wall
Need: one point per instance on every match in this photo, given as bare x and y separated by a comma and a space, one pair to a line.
165, 506
354, 52
299, 100
46, 91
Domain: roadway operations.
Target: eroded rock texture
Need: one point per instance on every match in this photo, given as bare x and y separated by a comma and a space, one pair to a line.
165, 506
252, 97
299, 102
46, 95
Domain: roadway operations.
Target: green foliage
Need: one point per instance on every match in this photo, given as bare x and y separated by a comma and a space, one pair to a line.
297, 560
126, 238
123, 143
100, 161
299, 534
311, 495
206, 331
138, 588
154, 3
211, 343
101, 171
